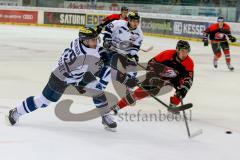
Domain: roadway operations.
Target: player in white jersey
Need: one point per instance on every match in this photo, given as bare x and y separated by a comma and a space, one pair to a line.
124, 35
76, 68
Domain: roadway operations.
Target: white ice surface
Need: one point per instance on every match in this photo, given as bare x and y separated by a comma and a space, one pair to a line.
27, 56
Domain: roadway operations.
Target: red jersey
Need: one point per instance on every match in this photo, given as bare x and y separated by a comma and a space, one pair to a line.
111, 18
216, 33
184, 68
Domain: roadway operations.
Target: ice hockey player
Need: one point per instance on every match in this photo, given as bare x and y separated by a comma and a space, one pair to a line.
218, 33
122, 16
174, 67
76, 65
126, 35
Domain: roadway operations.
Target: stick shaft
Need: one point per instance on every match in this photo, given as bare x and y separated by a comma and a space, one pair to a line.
186, 122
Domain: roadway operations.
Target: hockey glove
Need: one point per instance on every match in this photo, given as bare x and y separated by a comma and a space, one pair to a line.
99, 29
181, 91
130, 81
126, 79
132, 57
205, 41
232, 38
107, 44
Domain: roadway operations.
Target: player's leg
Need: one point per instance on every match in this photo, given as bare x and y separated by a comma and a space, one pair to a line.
131, 70
105, 76
101, 103
51, 93
226, 51
217, 53
151, 85
110, 60
93, 90
138, 94
105, 71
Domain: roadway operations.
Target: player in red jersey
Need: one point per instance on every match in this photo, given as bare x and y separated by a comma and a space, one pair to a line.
174, 67
218, 33
123, 15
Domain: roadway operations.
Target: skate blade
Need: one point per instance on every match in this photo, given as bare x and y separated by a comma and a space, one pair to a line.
110, 129
112, 113
7, 122
4, 118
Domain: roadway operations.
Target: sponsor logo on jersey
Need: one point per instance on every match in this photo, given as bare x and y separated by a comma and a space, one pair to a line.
219, 35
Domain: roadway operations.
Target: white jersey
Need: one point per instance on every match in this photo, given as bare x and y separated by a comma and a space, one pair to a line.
118, 31
76, 61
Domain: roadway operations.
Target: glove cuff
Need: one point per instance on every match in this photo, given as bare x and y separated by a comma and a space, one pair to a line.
175, 100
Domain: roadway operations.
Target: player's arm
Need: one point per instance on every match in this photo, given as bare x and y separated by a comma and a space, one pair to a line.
107, 39
182, 89
156, 67
227, 31
105, 22
134, 49
185, 85
205, 36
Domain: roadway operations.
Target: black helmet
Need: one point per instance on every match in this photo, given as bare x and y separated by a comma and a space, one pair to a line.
183, 45
124, 8
133, 15
86, 33
220, 19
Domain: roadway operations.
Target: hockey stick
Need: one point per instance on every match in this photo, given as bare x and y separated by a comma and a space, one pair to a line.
174, 109
187, 126
126, 44
147, 49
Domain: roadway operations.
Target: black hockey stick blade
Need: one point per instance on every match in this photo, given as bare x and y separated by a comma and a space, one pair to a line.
181, 108
185, 106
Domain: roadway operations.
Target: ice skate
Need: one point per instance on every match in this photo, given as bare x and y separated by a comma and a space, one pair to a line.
109, 123
12, 117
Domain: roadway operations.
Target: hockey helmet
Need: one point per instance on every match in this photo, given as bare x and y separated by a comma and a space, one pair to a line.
86, 33
133, 15
181, 44
220, 19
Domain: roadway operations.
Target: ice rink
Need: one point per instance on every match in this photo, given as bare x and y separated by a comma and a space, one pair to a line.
27, 56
